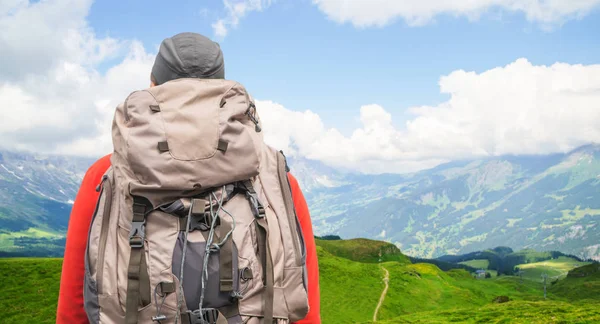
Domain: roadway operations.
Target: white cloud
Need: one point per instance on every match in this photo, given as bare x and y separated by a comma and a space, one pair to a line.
367, 13
236, 10
516, 109
38, 36
65, 105
54, 98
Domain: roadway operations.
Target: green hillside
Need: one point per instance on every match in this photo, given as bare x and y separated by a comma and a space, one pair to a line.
477, 264
581, 283
423, 287
512, 312
504, 261
30, 289
422, 293
363, 250
351, 290
480, 264
554, 268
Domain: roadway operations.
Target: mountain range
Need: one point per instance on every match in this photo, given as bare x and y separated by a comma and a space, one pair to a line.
36, 195
544, 202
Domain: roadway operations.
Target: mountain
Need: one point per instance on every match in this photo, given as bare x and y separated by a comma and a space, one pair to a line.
36, 194
543, 202
547, 202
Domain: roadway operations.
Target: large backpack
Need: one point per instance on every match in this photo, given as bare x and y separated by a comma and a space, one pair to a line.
195, 219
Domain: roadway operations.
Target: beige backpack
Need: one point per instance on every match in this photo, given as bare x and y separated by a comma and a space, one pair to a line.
195, 219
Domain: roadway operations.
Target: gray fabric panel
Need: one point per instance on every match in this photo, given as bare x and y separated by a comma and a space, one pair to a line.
305, 277
192, 284
303, 246
235, 320
90, 295
302, 243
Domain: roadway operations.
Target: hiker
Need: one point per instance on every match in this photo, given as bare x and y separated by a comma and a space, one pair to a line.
180, 62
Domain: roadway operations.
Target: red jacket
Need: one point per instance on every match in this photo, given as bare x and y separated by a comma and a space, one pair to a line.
70, 300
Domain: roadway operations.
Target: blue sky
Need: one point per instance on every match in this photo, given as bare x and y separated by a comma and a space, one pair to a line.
375, 86
293, 54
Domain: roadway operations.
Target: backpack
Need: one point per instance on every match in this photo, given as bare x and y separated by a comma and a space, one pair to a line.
195, 221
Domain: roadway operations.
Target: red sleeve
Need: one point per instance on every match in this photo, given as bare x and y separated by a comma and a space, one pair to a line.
70, 299
314, 299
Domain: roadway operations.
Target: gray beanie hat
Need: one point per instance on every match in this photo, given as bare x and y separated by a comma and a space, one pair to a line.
188, 55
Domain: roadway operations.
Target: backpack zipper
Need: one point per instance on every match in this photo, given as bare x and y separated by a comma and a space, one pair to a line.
99, 188
107, 187
289, 205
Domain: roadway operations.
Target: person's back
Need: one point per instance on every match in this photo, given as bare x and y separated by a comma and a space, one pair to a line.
185, 57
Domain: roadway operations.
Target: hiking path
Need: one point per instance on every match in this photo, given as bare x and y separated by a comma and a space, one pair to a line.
383, 293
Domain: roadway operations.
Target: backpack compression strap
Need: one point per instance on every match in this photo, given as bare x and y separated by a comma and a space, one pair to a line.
264, 250
138, 283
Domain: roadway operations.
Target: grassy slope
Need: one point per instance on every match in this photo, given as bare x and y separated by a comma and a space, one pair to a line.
7, 238
347, 289
530, 255
423, 287
429, 288
512, 312
350, 291
422, 293
556, 268
480, 264
581, 284
555, 263
363, 250
477, 264
30, 289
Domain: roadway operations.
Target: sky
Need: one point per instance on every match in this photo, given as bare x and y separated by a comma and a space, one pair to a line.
375, 86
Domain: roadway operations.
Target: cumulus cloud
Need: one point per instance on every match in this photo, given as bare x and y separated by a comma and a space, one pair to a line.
38, 36
520, 108
235, 11
65, 104
49, 82
367, 13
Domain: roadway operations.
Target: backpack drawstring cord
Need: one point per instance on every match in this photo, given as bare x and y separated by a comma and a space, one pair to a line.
180, 294
159, 316
210, 247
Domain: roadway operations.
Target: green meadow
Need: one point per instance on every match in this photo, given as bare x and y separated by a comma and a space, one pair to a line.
554, 269
351, 281
30, 289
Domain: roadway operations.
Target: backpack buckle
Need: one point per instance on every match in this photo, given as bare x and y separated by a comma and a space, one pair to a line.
137, 234
204, 222
208, 316
257, 208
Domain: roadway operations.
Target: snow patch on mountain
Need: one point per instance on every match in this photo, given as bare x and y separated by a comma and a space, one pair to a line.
11, 172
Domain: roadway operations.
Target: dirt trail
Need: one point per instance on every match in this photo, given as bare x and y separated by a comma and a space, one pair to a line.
385, 280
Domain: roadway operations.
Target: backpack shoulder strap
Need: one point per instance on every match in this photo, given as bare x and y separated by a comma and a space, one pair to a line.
138, 281
263, 248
